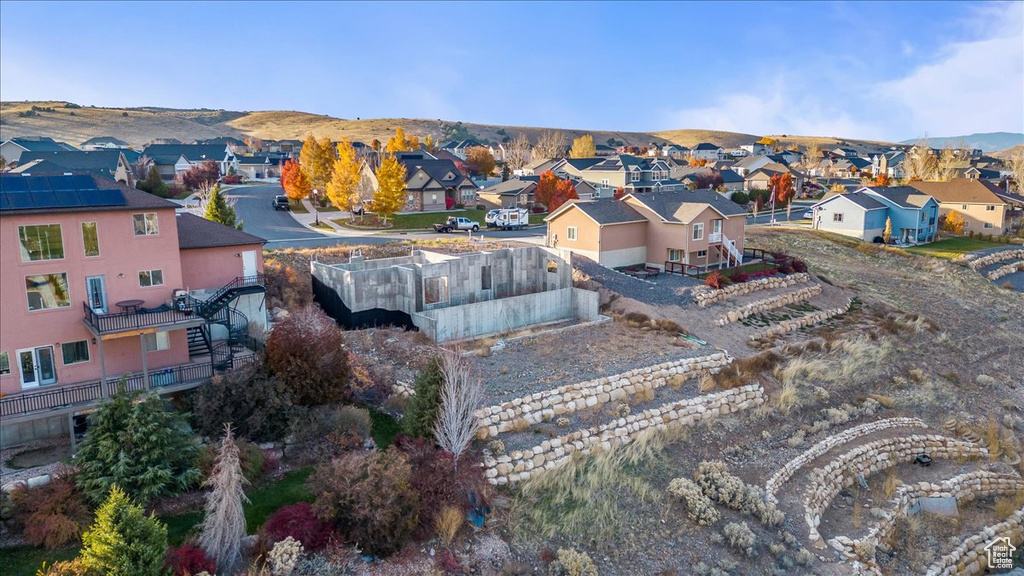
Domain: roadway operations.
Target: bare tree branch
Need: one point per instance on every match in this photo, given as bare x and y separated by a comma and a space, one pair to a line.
461, 394
550, 144
517, 152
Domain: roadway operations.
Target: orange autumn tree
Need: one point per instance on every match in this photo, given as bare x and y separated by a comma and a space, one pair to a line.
294, 181
882, 180
553, 191
781, 185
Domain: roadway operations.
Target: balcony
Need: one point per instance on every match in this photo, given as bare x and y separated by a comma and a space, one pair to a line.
714, 237
139, 321
83, 395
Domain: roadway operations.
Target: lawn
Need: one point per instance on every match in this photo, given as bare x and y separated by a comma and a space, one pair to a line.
263, 501
745, 269
297, 206
952, 247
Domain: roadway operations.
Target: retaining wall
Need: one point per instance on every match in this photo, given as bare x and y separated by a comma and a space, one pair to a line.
521, 412
769, 304
795, 324
706, 296
814, 452
964, 488
970, 557
979, 263
550, 454
827, 482
1005, 270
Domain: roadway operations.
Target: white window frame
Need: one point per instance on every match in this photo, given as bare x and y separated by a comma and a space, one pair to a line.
604, 183
572, 233
85, 249
150, 224
24, 254
702, 253
990, 208
5, 363
698, 230
150, 274
156, 341
837, 216
64, 354
675, 252
989, 225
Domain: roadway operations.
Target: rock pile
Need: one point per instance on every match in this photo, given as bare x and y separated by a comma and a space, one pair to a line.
796, 323
551, 404
769, 304
979, 263
706, 296
549, 454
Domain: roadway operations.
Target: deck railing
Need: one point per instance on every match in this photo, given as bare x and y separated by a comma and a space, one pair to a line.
121, 321
58, 396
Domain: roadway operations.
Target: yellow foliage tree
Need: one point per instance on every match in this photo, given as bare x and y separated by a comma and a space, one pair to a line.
341, 189
583, 147
401, 143
954, 222
766, 141
429, 144
317, 160
390, 195
887, 233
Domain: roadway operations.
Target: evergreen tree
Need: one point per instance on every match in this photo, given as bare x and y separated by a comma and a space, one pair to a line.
224, 525
218, 209
153, 183
145, 449
425, 402
124, 541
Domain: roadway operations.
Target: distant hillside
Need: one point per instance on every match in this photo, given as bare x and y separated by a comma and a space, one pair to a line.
1009, 152
138, 126
987, 141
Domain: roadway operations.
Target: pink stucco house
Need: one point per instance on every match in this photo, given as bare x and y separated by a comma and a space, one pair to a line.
674, 230
102, 282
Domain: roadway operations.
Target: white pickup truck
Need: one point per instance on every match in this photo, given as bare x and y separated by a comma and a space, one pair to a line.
457, 223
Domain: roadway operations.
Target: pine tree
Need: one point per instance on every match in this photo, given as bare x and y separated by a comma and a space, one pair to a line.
421, 414
390, 194
124, 541
218, 209
145, 449
153, 183
224, 524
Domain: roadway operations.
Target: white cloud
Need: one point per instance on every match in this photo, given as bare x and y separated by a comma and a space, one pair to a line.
969, 86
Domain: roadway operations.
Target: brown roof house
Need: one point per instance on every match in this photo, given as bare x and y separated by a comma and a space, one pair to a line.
666, 230
974, 199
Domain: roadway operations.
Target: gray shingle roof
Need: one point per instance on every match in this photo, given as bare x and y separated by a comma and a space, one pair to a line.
42, 144
76, 160
863, 200
608, 211
512, 187
668, 204
706, 146
903, 196
437, 169
105, 140
162, 153
134, 199
195, 232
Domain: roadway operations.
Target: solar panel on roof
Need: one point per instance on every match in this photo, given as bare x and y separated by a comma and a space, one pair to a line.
68, 198
62, 183
41, 192
12, 184
45, 199
83, 182
40, 183
19, 200
102, 198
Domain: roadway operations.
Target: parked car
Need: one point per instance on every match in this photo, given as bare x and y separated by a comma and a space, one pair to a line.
809, 214
281, 203
453, 223
491, 216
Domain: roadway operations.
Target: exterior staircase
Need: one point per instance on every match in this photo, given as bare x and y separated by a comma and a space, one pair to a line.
733, 253
217, 310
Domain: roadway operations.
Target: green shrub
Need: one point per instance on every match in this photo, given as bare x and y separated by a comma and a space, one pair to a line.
740, 198
418, 421
257, 405
740, 536
719, 485
369, 498
572, 563
124, 541
142, 447
699, 507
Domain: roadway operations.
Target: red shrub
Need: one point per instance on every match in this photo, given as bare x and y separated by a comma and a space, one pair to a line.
54, 514
449, 562
799, 265
538, 209
716, 280
299, 522
740, 277
306, 353
232, 179
189, 559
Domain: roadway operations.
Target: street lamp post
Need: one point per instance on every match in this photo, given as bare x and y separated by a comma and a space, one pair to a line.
316, 206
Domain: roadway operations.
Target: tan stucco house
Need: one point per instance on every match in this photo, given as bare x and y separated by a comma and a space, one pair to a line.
667, 229
974, 199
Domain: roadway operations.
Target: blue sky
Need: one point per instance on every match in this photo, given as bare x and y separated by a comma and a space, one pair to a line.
877, 70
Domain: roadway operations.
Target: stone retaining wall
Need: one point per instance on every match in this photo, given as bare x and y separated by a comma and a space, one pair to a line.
796, 323
1005, 270
964, 488
549, 404
706, 296
521, 464
979, 263
827, 482
787, 471
970, 557
769, 304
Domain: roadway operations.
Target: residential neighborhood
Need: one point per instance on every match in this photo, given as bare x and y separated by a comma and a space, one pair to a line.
385, 301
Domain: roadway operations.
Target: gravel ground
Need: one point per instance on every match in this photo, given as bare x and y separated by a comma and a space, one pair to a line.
659, 291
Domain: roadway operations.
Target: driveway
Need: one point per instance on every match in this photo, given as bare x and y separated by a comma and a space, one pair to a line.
281, 230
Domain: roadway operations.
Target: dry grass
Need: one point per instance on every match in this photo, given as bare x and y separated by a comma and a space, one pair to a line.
789, 398
892, 482
1007, 505
448, 523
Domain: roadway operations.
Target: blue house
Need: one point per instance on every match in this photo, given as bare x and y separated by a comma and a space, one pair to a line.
862, 214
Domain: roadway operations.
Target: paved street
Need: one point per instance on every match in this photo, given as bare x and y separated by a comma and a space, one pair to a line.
797, 213
282, 230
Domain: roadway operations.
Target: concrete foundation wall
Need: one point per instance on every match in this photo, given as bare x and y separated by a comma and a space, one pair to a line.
496, 316
15, 433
